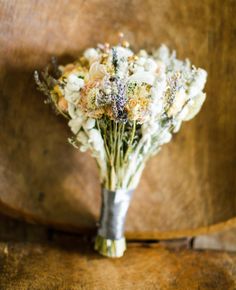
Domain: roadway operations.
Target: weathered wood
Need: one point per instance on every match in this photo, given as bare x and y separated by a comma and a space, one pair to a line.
33, 257
35, 266
225, 240
189, 185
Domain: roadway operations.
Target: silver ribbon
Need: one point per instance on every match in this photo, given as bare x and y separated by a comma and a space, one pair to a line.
113, 213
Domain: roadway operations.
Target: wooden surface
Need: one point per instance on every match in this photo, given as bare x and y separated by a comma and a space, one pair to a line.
32, 257
189, 185
224, 240
33, 266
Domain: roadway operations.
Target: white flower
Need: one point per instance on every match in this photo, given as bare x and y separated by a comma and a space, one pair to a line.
158, 88
72, 96
73, 111
156, 107
95, 139
91, 54
194, 106
83, 139
141, 61
177, 126
161, 68
150, 65
201, 78
76, 124
143, 53
163, 53
180, 99
198, 83
138, 68
72, 88
97, 71
74, 83
123, 52
150, 128
183, 113
122, 69
89, 124
142, 77
165, 137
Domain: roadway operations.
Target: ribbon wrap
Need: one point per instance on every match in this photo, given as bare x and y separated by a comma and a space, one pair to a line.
113, 213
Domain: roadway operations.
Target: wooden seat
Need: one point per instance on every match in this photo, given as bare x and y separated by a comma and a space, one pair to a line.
34, 258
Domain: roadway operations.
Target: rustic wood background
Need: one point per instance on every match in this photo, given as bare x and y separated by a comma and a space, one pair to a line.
189, 188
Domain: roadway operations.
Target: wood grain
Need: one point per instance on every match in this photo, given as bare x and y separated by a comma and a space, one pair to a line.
189, 185
33, 257
225, 240
36, 266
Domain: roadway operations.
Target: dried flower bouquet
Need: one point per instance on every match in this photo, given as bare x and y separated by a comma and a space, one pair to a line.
123, 106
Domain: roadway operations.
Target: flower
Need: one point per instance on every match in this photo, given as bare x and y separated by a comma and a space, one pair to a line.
97, 71
89, 124
165, 137
194, 106
150, 65
95, 139
123, 106
198, 82
177, 105
91, 54
83, 139
75, 124
142, 77
74, 83
72, 88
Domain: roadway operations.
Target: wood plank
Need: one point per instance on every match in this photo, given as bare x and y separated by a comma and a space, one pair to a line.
34, 257
224, 240
35, 266
189, 185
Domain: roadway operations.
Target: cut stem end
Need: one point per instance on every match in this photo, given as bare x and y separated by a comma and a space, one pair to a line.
110, 248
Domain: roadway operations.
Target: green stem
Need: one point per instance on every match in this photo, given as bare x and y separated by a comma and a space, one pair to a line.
130, 143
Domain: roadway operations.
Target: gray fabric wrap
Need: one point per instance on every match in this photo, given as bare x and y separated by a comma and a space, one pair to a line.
113, 213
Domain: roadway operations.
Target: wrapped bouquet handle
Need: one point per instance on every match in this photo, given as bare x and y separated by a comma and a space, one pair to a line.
110, 240
122, 106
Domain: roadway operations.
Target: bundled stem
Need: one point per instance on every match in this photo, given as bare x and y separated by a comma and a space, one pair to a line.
119, 143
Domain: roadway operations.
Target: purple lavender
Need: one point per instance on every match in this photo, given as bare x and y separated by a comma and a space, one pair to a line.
118, 94
118, 97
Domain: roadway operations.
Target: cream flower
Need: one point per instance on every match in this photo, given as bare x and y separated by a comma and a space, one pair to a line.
179, 101
195, 106
97, 71
141, 61
89, 124
198, 83
73, 111
91, 54
165, 137
150, 65
74, 83
76, 124
150, 128
142, 77
123, 52
72, 88
95, 139
83, 139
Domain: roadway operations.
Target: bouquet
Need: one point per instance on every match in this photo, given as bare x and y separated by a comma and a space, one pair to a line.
122, 106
